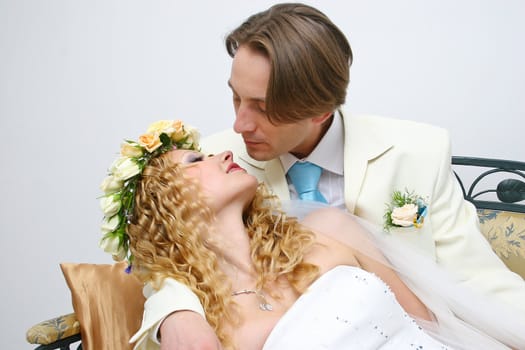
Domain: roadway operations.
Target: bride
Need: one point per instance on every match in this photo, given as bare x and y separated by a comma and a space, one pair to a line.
266, 280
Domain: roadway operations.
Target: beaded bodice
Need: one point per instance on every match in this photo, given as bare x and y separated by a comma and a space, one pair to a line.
348, 308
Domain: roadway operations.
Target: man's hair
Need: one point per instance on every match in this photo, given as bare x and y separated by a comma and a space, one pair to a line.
310, 60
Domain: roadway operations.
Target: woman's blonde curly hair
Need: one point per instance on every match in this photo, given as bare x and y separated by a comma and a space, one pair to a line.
167, 239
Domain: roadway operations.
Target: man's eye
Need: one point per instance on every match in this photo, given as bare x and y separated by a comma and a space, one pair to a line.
261, 107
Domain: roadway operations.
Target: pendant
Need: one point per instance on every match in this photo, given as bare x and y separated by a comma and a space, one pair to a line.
265, 307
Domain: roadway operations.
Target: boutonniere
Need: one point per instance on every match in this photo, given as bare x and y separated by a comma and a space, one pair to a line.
406, 209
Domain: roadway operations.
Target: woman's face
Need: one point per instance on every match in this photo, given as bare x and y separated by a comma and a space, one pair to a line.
222, 180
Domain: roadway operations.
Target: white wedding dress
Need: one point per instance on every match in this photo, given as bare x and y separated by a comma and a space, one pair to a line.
348, 308
464, 319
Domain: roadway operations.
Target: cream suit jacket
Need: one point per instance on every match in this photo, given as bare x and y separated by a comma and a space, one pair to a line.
381, 155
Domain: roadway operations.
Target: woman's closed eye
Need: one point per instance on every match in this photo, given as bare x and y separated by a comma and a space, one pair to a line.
193, 157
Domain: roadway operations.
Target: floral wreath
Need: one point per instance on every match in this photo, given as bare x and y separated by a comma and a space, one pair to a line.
124, 174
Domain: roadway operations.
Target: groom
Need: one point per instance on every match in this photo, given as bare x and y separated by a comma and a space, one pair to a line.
289, 77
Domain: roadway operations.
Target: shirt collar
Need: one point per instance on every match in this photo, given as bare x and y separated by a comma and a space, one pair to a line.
331, 144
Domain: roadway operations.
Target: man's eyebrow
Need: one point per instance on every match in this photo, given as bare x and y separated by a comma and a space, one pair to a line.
256, 99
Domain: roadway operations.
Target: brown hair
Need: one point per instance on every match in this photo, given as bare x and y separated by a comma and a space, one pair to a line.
310, 60
167, 239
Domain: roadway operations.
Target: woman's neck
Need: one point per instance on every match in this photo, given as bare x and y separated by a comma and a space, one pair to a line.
232, 245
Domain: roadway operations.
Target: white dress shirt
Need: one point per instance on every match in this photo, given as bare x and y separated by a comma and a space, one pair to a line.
328, 154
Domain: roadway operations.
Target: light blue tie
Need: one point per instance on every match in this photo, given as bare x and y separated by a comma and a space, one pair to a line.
305, 177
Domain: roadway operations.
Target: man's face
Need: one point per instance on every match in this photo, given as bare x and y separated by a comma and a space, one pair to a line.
264, 141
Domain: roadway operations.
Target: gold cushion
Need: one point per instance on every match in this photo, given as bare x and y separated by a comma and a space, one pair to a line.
505, 232
52, 330
108, 303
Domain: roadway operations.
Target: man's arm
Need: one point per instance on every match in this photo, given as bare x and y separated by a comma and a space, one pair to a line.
175, 315
189, 331
462, 248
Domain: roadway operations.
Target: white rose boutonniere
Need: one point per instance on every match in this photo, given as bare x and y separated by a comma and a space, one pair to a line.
405, 210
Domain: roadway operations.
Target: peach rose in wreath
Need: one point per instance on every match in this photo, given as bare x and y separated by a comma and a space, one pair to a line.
173, 128
166, 126
150, 141
178, 130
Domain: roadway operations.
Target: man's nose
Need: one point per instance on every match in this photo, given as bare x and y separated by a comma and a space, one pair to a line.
244, 121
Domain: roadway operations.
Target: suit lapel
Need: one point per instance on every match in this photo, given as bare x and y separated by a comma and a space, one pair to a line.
254, 163
276, 178
273, 174
362, 145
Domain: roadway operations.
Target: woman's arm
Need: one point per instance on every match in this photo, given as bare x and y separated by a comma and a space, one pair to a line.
408, 300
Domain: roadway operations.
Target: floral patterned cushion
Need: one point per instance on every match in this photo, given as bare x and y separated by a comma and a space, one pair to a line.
505, 232
54, 329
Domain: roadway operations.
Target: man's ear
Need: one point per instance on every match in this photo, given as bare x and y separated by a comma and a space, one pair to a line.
322, 118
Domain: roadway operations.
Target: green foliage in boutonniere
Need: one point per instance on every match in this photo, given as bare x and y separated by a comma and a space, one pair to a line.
406, 209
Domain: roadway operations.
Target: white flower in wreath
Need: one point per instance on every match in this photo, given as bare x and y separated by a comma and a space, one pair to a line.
109, 225
110, 244
124, 168
110, 205
110, 185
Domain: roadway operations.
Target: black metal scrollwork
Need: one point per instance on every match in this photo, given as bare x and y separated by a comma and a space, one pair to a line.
508, 191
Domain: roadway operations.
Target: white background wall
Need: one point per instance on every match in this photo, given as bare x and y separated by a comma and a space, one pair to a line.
76, 77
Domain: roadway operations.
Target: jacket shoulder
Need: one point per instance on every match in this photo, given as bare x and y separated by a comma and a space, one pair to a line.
399, 132
394, 125
222, 141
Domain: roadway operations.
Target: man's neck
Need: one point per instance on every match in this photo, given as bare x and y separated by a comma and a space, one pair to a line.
319, 134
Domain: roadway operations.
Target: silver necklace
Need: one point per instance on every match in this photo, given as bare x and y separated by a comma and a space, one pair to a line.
264, 305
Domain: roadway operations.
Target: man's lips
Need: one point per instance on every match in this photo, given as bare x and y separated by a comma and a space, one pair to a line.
252, 142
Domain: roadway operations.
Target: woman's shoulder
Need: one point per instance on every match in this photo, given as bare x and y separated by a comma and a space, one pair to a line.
335, 225
326, 220
330, 251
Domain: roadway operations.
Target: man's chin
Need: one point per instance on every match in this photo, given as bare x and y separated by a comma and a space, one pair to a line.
259, 154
